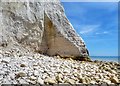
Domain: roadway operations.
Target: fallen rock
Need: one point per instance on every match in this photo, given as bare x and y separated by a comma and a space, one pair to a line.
22, 81
6, 59
59, 78
33, 78
50, 81
104, 84
1, 55
82, 80
31, 82
114, 79
41, 81
22, 65
36, 73
70, 81
113, 71
20, 74
93, 82
107, 81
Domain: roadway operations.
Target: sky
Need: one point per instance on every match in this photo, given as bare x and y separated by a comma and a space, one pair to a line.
89, 0
97, 24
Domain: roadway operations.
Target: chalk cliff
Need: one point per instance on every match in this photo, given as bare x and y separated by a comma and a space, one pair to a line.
39, 27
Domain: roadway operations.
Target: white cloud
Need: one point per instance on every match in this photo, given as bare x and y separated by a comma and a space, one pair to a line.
97, 33
88, 29
105, 32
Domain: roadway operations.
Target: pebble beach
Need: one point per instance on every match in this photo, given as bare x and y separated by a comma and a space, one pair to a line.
40, 69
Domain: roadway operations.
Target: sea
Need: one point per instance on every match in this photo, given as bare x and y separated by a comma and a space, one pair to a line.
106, 58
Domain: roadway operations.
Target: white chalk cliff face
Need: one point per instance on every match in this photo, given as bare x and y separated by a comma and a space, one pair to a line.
39, 27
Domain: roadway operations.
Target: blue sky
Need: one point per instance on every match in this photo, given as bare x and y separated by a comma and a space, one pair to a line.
97, 24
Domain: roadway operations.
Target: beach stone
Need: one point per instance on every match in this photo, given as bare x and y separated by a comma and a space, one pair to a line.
30, 73
36, 67
22, 81
88, 80
12, 75
93, 82
113, 71
36, 73
70, 81
31, 82
59, 78
7, 53
1, 52
107, 81
30, 57
6, 59
66, 70
20, 74
0, 60
37, 56
114, 79
41, 81
1, 77
75, 74
96, 61
33, 78
82, 80
106, 68
2, 72
45, 75
22, 65
96, 77
101, 76
1, 55
104, 84
50, 81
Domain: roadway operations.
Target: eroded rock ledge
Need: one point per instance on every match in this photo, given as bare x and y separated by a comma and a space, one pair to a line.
39, 27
